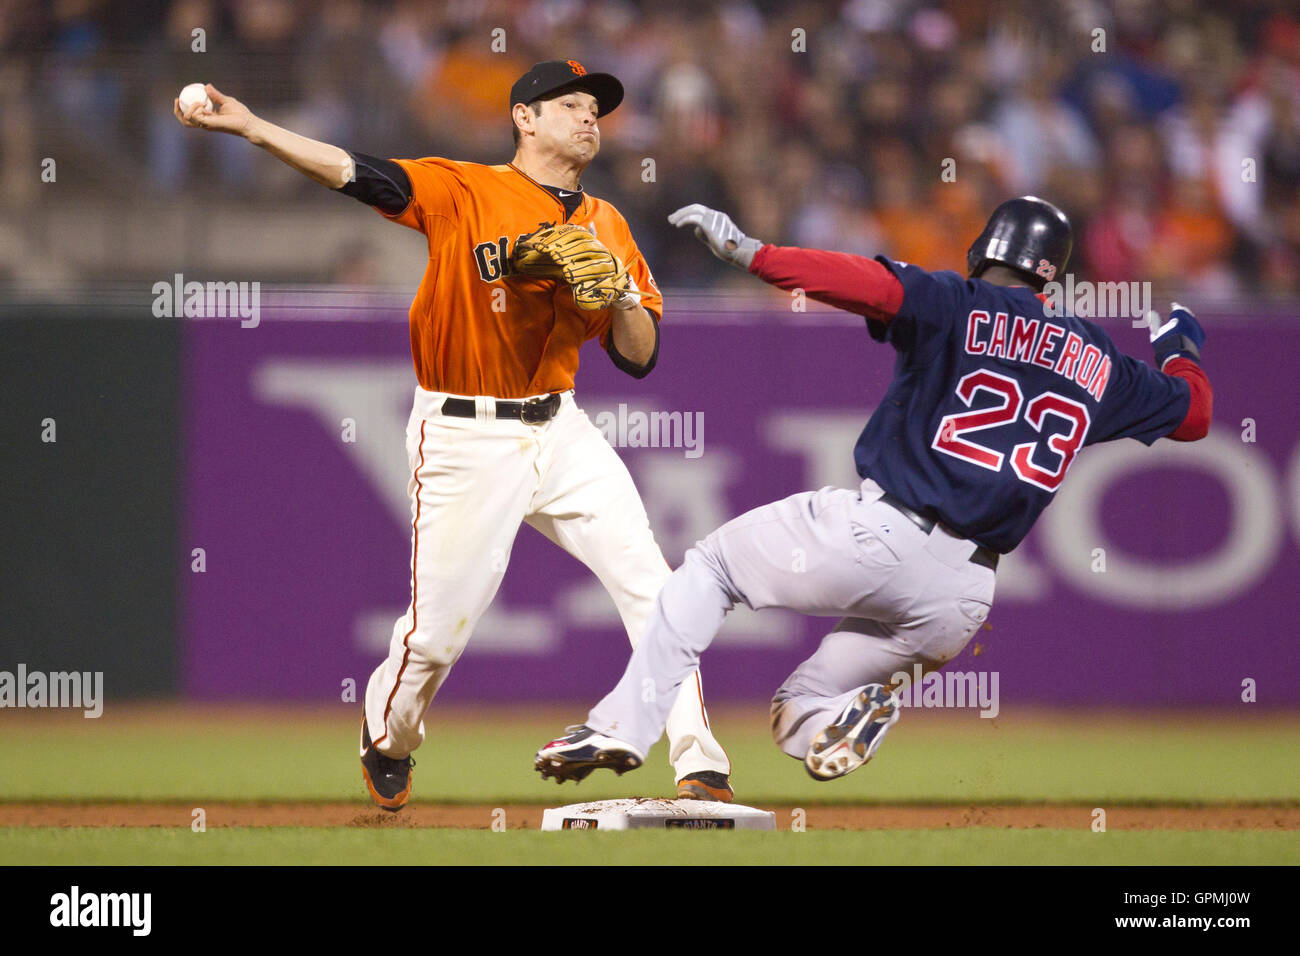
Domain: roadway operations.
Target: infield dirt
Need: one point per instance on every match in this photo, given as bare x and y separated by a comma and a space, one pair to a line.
529, 816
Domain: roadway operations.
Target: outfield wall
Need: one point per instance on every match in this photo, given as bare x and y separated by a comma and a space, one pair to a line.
89, 423
206, 444
306, 533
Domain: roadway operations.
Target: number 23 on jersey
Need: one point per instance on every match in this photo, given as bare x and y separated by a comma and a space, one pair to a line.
1061, 422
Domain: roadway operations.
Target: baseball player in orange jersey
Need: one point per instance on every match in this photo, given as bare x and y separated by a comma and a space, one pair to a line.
495, 437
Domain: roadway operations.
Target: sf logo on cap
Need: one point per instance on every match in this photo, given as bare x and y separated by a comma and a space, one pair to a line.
577, 68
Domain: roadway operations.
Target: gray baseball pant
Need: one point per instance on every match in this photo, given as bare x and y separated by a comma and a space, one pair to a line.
906, 597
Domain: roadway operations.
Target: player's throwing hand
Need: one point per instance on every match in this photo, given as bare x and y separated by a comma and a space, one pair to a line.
716, 230
230, 115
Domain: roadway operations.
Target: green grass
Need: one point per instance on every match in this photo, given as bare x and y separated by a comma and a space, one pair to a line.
484, 757
320, 846
291, 756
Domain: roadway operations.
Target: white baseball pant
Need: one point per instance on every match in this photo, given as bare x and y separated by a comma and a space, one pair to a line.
473, 482
907, 597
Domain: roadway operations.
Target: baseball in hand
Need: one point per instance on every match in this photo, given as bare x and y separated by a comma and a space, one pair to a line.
194, 93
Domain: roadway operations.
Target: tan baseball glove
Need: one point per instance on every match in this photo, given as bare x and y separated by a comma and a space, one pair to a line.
573, 254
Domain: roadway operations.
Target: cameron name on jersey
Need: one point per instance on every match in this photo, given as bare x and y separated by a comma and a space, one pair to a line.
1039, 342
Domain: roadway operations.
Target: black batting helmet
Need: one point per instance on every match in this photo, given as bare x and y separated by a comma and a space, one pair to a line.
1027, 234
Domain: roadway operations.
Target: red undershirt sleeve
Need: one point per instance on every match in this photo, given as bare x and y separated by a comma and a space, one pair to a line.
853, 283
1196, 424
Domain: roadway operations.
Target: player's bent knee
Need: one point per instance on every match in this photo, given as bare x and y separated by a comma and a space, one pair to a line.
434, 648
951, 639
706, 557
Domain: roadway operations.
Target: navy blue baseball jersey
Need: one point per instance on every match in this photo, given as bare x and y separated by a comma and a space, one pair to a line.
991, 400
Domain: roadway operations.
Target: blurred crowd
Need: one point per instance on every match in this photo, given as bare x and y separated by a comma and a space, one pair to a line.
1169, 130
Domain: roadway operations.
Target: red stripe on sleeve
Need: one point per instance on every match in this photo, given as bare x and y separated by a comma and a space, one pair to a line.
853, 283
1197, 423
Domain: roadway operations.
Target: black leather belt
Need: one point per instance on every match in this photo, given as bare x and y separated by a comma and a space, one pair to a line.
535, 411
984, 557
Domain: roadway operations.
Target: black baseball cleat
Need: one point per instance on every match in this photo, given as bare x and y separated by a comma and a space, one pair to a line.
387, 779
705, 785
580, 751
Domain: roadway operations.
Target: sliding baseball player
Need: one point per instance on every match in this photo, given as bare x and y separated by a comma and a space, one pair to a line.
993, 395
524, 267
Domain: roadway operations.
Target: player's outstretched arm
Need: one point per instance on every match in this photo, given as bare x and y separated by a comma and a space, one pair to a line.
328, 165
853, 283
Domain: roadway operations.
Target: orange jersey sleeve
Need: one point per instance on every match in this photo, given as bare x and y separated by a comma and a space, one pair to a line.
437, 192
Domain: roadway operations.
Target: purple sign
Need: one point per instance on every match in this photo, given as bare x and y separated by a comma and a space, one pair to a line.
1160, 576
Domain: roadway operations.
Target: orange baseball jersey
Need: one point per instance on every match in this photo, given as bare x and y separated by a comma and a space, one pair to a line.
475, 328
